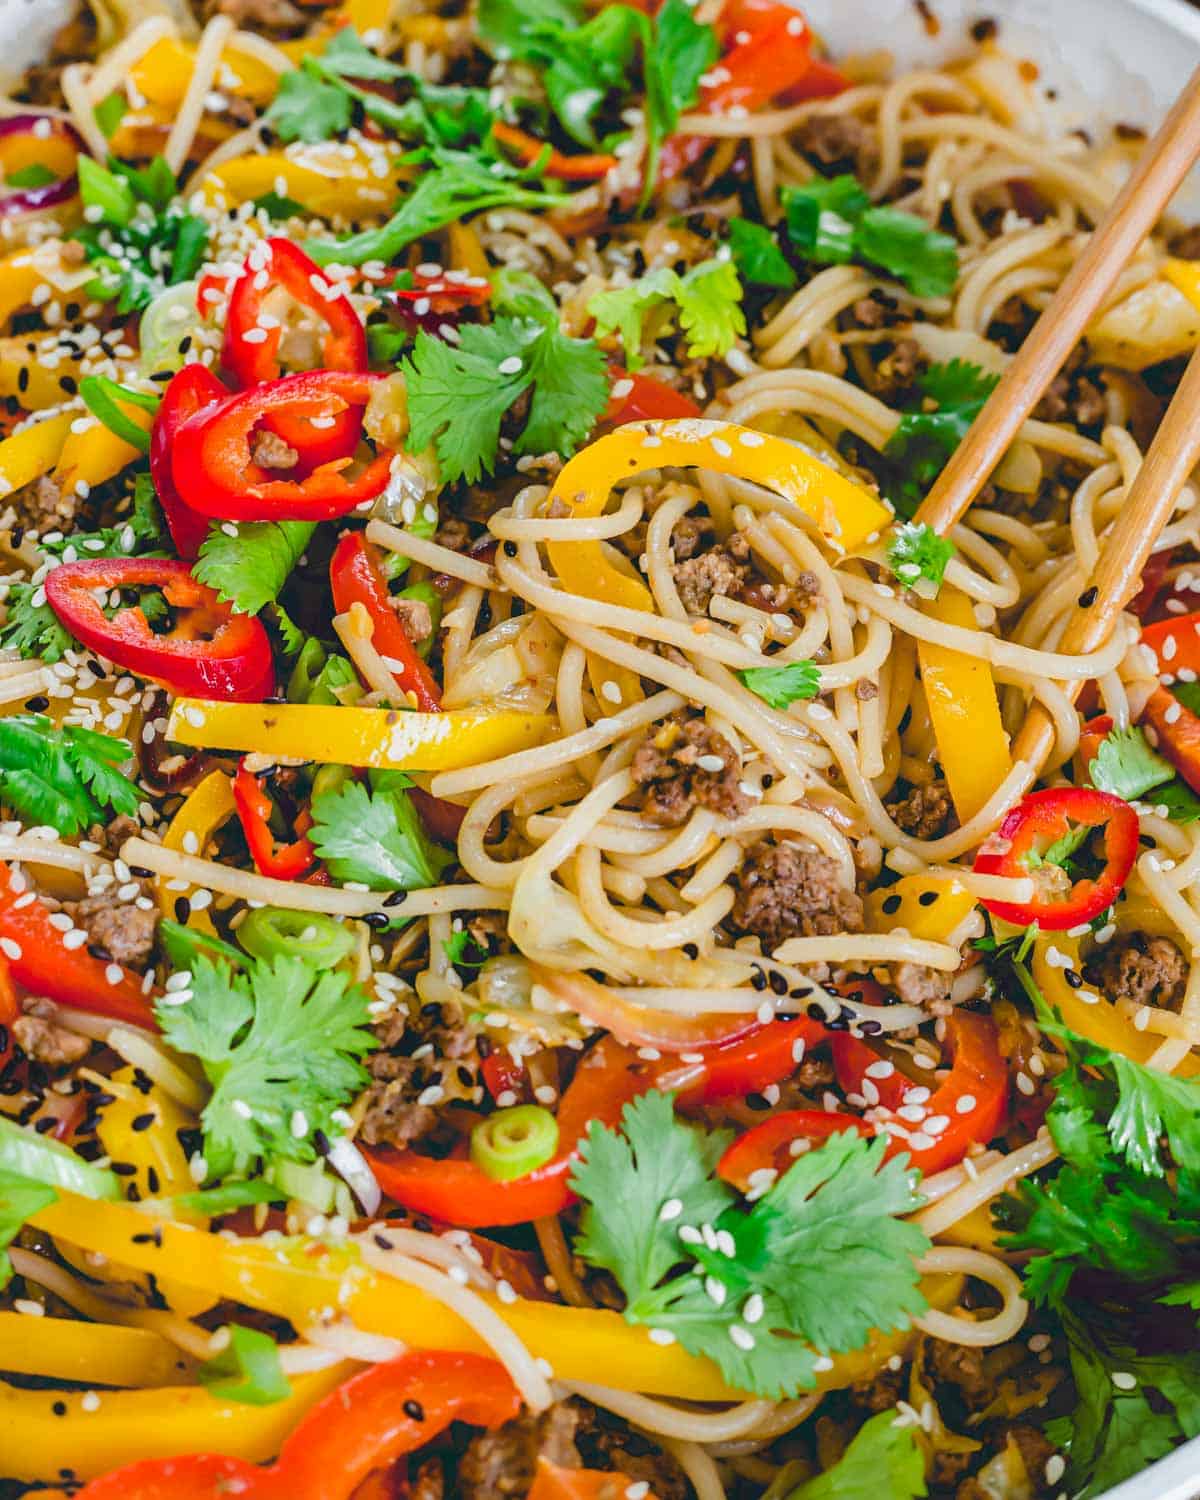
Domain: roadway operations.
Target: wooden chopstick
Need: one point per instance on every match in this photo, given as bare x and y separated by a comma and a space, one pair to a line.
1134, 213
1169, 460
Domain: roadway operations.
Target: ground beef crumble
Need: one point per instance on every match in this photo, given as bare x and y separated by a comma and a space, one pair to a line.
925, 812
1142, 969
727, 568
839, 143
42, 1040
723, 569
686, 764
916, 984
784, 891
393, 1115
124, 931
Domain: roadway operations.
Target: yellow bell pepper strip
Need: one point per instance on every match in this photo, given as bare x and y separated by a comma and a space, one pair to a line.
293, 1279
160, 1166
96, 455
1156, 321
90, 1353
926, 906
208, 806
162, 75
32, 452
1185, 274
961, 694
378, 737
25, 378
1087, 1012
22, 272
464, 252
59, 1434
845, 513
327, 183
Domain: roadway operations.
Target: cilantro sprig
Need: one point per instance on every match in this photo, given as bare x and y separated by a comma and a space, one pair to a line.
250, 568
278, 1042
707, 300
66, 779
780, 687
817, 1263
375, 837
757, 255
952, 395
918, 556
31, 627
1127, 766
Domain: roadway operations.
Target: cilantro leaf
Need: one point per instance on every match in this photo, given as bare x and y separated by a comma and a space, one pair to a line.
1126, 766
33, 629
683, 51
757, 255
918, 557
452, 185
309, 108
884, 1458
780, 687
247, 1370
67, 779
274, 1039
461, 949
514, 27
832, 221
141, 533
708, 299
761, 1302
20, 1198
924, 439
1151, 1104
1186, 1294
375, 838
250, 568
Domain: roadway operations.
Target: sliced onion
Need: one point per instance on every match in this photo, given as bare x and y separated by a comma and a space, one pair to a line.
51, 194
640, 1025
351, 1166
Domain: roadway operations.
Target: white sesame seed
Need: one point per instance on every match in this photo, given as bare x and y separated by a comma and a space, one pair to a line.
671, 1209
1123, 1380
662, 1336
742, 1337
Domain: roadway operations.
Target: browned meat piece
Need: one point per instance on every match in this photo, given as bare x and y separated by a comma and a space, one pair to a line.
897, 371
271, 452
723, 569
1187, 245
962, 1366
123, 930
489, 929
877, 310
44, 506
454, 534
44, 1041
782, 598
111, 836
415, 617
604, 1442
784, 891
393, 1116
503, 1462
1142, 969
1022, 1448
926, 812
687, 764
918, 985
428, 1483
1072, 396
839, 143
882, 1391
864, 691
688, 536
276, 17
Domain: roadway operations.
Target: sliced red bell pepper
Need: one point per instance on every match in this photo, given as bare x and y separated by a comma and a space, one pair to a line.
1039, 821
528, 149
435, 300
215, 472
1144, 603
1175, 642
460, 1193
506, 1079
369, 1421
643, 398
40, 963
769, 1145
251, 350
192, 390
254, 809
210, 653
9, 1011
356, 578
442, 819
1174, 731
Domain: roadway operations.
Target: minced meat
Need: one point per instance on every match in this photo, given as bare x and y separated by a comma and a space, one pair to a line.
1187, 245
43, 1040
926, 812
686, 764
123, 930
503, 1462
415, 617
917, 984
784, 891
877, 310
448, 1058
1141, 969
722, 569
270, 451
839, 143
45, 506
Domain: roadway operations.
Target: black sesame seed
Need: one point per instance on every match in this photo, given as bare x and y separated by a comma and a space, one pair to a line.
758, 980
778, 984
321, 1142
801, 992
756, 1102
60, 1407
383, 1242
397, 898
23, 386
422, 1225
891, 905
183, 910
415, 1410
35, 705
97, 950
124, 1168
691, 950
152, 1180
1074, 978
816, 1011
45, 1124
927, 898
870, 1028
377, 919
142, 1122
1089, 597
140, 872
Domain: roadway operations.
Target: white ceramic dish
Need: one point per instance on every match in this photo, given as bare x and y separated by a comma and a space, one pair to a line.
1107, 60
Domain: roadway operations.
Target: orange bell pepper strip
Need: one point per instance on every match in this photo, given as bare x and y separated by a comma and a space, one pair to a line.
1174, 731
527, 149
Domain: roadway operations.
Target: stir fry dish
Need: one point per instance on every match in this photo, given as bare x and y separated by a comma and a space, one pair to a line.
528, 965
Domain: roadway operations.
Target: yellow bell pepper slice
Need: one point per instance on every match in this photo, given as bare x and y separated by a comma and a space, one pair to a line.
170, 1422
162, 75
926, 906
32, 452
327, 183
845, 513
379, 737
22, 272
961, 694
209, 805
295, 1279
464, 252
1097, 1019
24, 378
96, 455
90, 1353
152, 1148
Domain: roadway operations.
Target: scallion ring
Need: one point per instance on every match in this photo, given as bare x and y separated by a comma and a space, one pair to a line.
273, 932
514, 1141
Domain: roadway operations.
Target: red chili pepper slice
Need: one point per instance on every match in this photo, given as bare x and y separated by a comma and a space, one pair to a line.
433, 301
192, 390
1175, 642
1144, 603
769, 1145
750, 1063
1041, 820
642, 398
369, 1421
356, 578
254, 809
504, 1078
1091, 736
211, 652
1174, 731
214, 468
40, 963
527, 149
251, 350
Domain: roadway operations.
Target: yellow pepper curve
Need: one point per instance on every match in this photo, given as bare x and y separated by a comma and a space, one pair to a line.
208, 806
89, 1353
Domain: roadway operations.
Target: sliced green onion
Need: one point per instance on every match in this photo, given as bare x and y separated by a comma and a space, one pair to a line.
100, 396
247, 1370
104, 190
212, 1202
514, 1141
110, 112
274, 932
168, 320
183, 945
24, 1153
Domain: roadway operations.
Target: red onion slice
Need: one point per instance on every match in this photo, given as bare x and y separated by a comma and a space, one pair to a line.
51, 194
